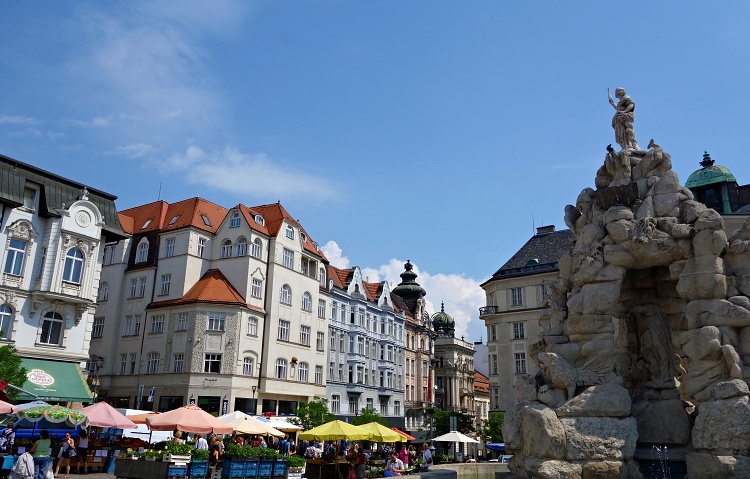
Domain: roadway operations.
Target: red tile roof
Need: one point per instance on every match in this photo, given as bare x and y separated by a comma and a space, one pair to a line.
481, 383
190, 212
213, 287
249, 215
133, 220
275, 215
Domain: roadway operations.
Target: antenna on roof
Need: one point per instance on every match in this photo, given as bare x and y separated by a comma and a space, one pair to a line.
533, 224
157, 199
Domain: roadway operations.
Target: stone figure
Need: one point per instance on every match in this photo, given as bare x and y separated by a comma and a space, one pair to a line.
623, 120
562, 375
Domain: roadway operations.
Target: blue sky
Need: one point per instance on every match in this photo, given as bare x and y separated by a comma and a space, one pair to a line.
435, 131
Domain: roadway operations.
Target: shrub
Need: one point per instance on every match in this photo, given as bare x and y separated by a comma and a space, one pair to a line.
296, 461
200, 454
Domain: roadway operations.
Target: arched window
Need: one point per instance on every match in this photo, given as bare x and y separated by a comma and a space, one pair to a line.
247, 366
286, 295
257, 247
242, 246
226, 249
103, 292
306, 302
259, 219
52, 326
73, 266
234, 222
303, 372
142, 251
322, 276
6, 321
281, 368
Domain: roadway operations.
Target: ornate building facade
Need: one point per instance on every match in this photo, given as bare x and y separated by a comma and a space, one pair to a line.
454, 367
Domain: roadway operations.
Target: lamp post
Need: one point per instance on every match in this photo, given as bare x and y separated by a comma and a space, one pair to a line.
255, 404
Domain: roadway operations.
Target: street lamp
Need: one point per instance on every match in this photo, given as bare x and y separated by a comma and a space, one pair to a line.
255, 404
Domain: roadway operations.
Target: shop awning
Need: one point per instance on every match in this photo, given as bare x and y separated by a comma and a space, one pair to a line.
54, 381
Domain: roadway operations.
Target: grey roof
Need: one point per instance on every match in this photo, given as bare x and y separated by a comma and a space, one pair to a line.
54, 192
539, 255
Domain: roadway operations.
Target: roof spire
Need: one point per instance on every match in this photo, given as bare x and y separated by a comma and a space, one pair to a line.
707, 161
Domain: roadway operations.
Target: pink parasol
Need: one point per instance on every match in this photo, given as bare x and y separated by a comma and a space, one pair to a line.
102, 414
7, 408
188, 418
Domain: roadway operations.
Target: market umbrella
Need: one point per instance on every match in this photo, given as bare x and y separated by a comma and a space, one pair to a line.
7, 408
336, 430
406, 436
141, 418
52, 414
381, 433
31, 404
102, 414
281, 425
250, 425
455, 436
188, 418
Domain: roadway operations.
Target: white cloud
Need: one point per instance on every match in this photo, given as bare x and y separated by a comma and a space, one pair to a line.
96, 122
232, 170
137, 150
332, 250
17, 120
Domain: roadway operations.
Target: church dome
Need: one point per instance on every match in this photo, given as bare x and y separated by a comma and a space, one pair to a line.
408, 288
442, 322
709, 174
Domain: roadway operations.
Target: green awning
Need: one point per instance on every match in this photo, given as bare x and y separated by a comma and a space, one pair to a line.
54, 381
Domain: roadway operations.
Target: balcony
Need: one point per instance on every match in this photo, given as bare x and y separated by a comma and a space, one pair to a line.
487, 310
415, 404
466, 392
358, 388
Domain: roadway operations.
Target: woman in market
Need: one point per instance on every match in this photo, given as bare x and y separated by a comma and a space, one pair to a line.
67, 452
83, 452
40, 451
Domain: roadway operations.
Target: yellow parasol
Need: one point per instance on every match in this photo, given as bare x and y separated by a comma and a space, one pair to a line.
381, 433
336, 430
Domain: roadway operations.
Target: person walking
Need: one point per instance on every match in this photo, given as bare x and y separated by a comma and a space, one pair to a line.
200, 442
67, 453
40, 451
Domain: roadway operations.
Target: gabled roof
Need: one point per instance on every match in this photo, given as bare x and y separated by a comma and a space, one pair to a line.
340, 277
191, 212
274, 214
540, 254
133, 220
481, 383
373, 290
214, 288
249, 215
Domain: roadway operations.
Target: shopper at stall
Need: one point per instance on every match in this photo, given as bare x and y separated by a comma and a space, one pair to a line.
6, 439
83, 452
40, 451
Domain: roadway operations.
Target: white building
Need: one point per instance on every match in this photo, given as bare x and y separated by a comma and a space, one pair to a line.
51, 230
366, 348
211, 306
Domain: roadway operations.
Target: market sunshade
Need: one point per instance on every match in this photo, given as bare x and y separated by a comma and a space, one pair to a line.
54, 381
55, 415
141, 418
102, 414
381, 433
407, 436
455, 436
188, 418
280, 424
7, 408
336, 430
250, 425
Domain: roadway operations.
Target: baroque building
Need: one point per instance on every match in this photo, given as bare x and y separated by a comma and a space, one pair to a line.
454, 367
516, 300
366, 348
52, 230
214, 306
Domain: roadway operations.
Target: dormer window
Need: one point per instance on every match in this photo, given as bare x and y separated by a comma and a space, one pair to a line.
29, 197
145, 225
234, 222
174, 220
289, 232
259, 220
142, 251
303, 236
205, 220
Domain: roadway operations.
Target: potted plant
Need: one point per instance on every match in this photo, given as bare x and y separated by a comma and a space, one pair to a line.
151, 455
296, 463
177, 452
200, 455
134, 455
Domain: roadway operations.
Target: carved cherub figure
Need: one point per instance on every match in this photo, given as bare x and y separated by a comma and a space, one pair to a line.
563, 375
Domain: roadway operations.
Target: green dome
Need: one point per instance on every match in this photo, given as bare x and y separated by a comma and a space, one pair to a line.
408, 288
709, 174
442, 322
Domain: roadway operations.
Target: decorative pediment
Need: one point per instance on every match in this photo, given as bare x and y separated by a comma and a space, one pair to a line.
22, 230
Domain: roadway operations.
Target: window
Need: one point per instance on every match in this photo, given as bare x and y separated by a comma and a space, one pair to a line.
306, 302
103, 292
169, 248
226, 249
289, 232
370, 403
6, 321
383, 406
131, 369
353, 405
205, 220
142, 252
142, 287
29, 194
133, 287
166, 281
157, 323
516, 296
128, 325
493, 364
73, 266
321, 309
318, 374
256, 248
288, 258
97, 328
242, 246
137, 324
234, 222
320, 341
152, 363
123, 364
335, 404
145, 225
109, 255
216, 321
14, 258
283, 333
303, 372
247, 367
304, 335
396, 408
182, 322
520, 359
424, 369
178, 361
212, 363
334, 307
544, 293
286, 295
259, 220
52, 326
492, 333
322, 276
257, 287
281, 368
174, 220
201, 247
252, 326
518, 331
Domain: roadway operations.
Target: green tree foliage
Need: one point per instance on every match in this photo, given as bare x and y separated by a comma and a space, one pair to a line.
464, 422
492, 429
10, 369
368, 415
313, 414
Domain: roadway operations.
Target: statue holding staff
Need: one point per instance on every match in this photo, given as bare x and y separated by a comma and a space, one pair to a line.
623, 120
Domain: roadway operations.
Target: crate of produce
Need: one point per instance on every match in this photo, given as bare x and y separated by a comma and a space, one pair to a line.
233, 468
198, 469
280, 469
265, 469
177, 472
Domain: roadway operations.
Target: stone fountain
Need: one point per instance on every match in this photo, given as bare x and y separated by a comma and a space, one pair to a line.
647, 333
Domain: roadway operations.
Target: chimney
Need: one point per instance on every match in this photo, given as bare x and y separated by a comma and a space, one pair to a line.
545, 230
